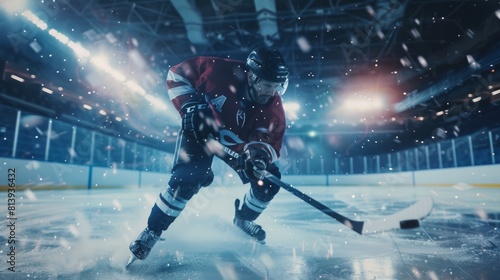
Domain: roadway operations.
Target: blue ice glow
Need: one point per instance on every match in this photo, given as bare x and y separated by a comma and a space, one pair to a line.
85, 234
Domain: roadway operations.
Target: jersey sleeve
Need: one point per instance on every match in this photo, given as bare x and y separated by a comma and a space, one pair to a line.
184, 79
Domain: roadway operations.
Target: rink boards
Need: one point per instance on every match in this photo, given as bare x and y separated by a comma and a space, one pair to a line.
30, 174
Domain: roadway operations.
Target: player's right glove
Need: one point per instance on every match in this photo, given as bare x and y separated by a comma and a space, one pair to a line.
198, 120
254, 158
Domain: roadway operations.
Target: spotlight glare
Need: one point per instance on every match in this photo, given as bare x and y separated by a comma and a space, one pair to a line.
291, 109
156, 102
49, 91
17, 78
59, 36
363, 104
80, 51
13, 7
35, 20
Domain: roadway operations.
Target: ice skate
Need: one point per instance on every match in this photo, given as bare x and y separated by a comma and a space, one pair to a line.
141, 247
249, 227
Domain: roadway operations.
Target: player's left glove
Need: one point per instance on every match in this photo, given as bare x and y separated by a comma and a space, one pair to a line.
254, 158
198, 120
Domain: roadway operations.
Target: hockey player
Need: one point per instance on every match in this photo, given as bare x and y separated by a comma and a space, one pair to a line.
239, 104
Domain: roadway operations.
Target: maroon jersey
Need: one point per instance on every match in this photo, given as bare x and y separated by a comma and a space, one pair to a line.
222, 82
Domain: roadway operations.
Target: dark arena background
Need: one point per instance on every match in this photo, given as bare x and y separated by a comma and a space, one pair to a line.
389, 102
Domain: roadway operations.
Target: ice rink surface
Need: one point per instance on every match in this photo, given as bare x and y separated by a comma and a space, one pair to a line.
82, 234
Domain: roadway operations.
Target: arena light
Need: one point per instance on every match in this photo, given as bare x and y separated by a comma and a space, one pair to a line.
291, 110
99, 61
59, 36
134, 86
49, 91
17, 78
156, 102
359, 103
80, 51
29, 15
13, 7
35, 46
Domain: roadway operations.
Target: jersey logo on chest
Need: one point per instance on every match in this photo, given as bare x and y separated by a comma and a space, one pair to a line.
241, 118
218, 102
228, 138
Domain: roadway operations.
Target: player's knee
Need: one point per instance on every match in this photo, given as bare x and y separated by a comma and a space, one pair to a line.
209, 178
187, 186
266, 192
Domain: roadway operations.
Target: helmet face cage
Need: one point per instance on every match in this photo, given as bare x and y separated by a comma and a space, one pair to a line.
282, 88
269, 65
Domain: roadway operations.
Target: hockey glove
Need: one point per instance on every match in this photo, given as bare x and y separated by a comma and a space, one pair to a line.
198, 120
254, 158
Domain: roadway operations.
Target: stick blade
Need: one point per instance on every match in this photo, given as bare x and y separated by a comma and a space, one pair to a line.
130, 260
417, 211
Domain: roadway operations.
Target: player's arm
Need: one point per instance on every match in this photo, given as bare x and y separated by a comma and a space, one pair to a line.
183, 81
183, 85
269, 129
264, 147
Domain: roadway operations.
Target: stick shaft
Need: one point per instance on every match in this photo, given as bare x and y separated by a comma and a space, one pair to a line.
356, 226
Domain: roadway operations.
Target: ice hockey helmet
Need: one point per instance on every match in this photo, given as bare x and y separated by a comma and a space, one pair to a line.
268, 64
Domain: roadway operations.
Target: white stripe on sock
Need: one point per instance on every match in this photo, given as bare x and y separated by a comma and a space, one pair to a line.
178, 203
253, 203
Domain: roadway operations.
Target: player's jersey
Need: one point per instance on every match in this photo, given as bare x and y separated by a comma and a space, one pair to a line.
222, 82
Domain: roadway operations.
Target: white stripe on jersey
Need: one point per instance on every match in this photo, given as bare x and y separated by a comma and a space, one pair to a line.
180, 90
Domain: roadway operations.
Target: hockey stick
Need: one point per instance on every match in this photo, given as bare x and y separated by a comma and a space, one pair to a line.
404, 219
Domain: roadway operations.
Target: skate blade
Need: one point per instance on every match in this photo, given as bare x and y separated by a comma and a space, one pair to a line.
130, 260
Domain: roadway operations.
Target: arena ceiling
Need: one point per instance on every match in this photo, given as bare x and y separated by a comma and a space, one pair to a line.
433, 63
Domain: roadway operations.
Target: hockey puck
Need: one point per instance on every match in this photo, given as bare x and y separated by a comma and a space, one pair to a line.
406, 224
